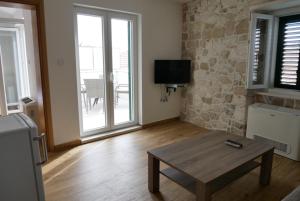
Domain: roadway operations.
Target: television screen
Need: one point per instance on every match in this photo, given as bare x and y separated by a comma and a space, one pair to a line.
172, 71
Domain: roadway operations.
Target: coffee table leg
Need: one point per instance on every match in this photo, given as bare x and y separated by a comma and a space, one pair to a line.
266, 168
202, 192
153, 174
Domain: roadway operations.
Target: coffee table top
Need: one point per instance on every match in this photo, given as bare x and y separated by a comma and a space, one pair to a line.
205, 157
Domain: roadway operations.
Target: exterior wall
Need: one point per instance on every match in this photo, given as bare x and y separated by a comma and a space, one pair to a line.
215, 38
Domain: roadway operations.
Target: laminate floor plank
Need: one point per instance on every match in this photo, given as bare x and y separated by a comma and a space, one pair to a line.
115, 169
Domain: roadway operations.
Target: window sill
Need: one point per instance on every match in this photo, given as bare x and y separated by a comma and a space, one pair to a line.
280, 93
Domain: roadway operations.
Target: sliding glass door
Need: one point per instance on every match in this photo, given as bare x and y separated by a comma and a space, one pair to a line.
106, 46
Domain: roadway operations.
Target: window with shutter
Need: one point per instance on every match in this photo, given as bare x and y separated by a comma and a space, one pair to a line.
288, 51
259, 62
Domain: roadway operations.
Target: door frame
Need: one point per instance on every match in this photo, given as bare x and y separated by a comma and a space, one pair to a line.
98, 13
134, 66
106, 15
19, 50
44, 91
3, 99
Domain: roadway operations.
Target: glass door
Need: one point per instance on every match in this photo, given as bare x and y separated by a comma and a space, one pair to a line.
14, 81
92, 71
123, 57
106, 70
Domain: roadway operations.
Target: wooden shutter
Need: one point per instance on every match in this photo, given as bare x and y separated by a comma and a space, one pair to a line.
287, 70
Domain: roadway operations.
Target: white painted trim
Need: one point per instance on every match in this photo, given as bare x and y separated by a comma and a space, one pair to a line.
9, 22
16, 31
139, 69
275, 5
97, 13
286, 11
3, 103
254, 17
23, 63
134, 66
89, 7
109, 73
79, 99
274, 52
278, 8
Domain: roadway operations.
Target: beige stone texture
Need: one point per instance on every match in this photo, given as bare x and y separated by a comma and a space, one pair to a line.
215, 38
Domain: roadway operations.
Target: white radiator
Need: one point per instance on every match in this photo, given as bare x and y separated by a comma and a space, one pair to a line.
279, 126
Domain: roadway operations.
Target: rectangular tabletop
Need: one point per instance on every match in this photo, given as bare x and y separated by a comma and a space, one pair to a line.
205, 157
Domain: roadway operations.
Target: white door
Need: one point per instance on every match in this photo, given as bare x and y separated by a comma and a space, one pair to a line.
14, 82
106, 48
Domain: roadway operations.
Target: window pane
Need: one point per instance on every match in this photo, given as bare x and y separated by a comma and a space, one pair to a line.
259, 56
121, 51
98, 59
15, 73
90, 30
92, 89
86, 58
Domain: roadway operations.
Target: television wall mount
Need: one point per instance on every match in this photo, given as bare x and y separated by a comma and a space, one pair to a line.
167, 89
172, 88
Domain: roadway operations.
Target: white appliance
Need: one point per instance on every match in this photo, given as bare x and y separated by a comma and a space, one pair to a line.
20, 156
31, 109
278, 126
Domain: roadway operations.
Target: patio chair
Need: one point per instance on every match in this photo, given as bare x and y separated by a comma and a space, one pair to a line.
94, 90
120, 84
120, 89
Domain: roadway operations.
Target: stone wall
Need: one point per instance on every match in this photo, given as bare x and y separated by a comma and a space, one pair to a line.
215, 38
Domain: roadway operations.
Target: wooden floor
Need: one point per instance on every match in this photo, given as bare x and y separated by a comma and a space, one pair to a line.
116, 170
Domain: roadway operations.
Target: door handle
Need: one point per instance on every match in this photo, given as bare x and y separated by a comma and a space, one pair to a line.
111, 77
42, 140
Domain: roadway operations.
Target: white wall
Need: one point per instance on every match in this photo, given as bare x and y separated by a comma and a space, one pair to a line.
161, 39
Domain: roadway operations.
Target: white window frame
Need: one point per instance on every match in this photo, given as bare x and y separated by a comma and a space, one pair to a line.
3, 103
22, 77
254, 18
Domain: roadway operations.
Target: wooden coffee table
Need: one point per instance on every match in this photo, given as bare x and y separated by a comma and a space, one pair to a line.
204, 164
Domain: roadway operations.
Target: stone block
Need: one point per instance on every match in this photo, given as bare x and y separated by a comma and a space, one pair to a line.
207, 100
204, 66
228, 98
241, 67
242, 27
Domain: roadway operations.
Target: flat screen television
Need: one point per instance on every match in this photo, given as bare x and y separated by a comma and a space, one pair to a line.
172, 71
